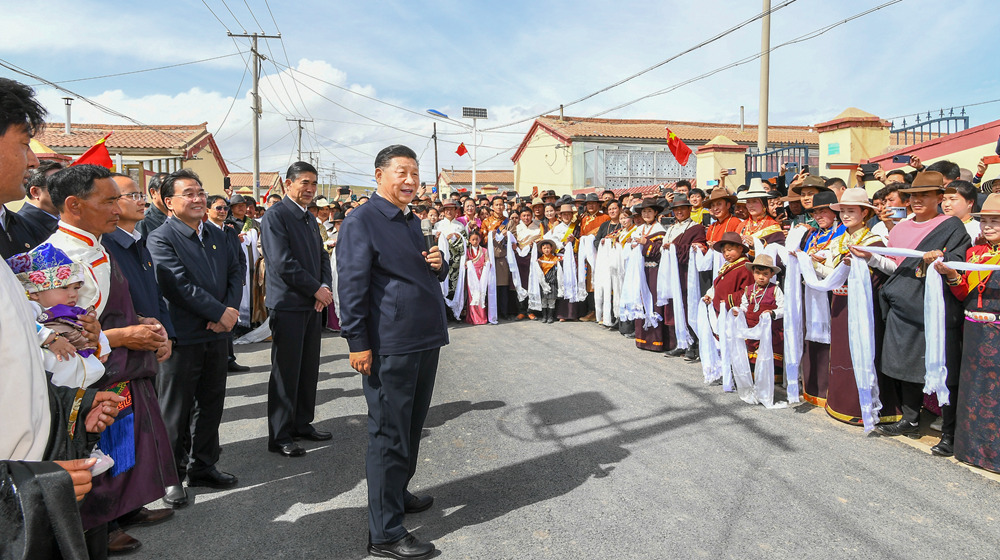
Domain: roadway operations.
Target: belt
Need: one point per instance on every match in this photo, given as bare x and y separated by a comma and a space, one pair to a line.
841, 291
653, 264
980, 317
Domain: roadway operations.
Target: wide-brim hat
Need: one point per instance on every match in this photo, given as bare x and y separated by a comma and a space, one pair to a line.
852, 197
680, 199
237, 199
925, 181
338, 217
991, 207
537, 202
649, 203
592, 197
764, 261
824, 199
323, 203
720, 193
548, 193
792, 197
580, 197
756, 190
548, 242
730, 237
449, 203
567, 208
813, 181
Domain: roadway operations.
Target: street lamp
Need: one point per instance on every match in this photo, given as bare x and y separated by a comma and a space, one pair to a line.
473, 113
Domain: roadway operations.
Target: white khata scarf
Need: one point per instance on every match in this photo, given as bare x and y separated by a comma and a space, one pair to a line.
605, 267
668, 290
585, 257
491, 288
458, 301
536, 281
515, 273
861, 325
761, 382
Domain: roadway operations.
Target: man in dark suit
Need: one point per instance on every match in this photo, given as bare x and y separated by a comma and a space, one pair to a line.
199, 275
157, 212
298, 289
38, 213
393, 317
15, 237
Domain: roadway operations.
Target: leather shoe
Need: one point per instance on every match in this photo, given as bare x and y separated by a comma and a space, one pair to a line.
120, 542
234, 367
676, 352
415, 504
147, 517
213, 478
945, 447
287, 449
901, 428
406, 547
176, 496
315, 435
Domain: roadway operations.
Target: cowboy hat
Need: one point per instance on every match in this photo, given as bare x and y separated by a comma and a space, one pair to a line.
567, 208
649, 203
537, 202
756, 190
548, 242
729, 238
925, 181
852, 197
991, 207
592, 197
720, 193
763, 261
812, 181
680, 199
823, 199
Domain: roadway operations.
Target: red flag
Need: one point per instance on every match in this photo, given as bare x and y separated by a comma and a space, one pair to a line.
96, 155
678, 148
461, 149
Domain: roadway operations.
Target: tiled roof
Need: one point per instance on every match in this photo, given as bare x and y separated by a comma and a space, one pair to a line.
159, 137
572, 128
483, 176
241, 179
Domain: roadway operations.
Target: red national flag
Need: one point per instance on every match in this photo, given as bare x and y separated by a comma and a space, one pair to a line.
678, 148
461, 149
96, 155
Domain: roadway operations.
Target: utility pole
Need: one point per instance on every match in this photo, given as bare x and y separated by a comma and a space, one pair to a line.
765, 48
300, 121
257, 57
435, 137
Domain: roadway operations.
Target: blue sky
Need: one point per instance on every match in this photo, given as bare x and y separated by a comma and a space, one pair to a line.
516, 58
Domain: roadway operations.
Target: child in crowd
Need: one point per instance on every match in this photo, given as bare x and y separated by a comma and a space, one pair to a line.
548, 261
762, 297
733, 276
476, 279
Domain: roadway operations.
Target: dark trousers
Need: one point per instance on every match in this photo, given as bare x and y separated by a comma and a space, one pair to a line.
97, 542
398, 392
192, 391
911, 399
291, 391
626, 327
502, 301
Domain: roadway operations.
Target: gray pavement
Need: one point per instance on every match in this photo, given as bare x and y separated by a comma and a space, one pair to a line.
565, 441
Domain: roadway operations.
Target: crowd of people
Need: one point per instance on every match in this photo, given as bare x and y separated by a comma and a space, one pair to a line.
874, 308
811, 285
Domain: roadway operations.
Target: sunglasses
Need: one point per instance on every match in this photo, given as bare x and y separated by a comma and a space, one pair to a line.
220, 208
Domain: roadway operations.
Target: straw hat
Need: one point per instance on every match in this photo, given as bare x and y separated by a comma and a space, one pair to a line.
853, 196
756, 190
729, 238
764, 261
720, 193
926, 181
991, 207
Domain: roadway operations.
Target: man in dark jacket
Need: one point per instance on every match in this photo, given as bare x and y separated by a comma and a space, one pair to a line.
38, 213
157, 212
393, 317
199, 274
298, 289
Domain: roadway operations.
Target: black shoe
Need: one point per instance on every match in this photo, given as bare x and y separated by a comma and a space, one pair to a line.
234, 367
145, 517
287, 449
945, 447
676, 352
414, 504
315, 435
693, 358
406, 547
213, 478
901, 428
120, 543
692, 353
176, 496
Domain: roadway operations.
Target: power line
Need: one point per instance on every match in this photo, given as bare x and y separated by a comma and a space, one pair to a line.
234, 16
140, 71
287, 61
655, 66
215, 15
239, 88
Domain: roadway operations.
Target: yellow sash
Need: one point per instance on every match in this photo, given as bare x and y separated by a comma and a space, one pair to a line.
977, 277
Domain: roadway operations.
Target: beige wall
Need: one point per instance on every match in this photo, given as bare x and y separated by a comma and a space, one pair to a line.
209, 171
544, 165
711, 164
855, 145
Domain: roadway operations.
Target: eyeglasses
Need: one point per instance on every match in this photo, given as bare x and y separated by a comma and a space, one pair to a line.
135, 196
192, 195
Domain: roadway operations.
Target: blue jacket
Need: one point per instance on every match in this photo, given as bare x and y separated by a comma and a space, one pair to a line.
200, 278
136, 264
390, 298
39, 223
295, 261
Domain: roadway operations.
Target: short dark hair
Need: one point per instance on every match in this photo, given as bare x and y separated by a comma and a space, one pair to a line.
420, 209
212, 199
894, 188
39, 177
950, 170
18, 107
683, 183
396, 150
77, 181
274, 197
298, 168
167, 186
697, 191
964, 188
897, 172
835, 181
155, 181
610, 202
879, 195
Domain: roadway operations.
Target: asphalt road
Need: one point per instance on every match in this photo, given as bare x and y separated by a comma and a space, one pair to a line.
565, 441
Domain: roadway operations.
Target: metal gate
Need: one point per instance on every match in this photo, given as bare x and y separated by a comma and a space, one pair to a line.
767, 164
929, 128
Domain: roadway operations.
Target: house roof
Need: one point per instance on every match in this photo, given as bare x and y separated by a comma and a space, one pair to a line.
942, 145
151, 141
483, 176
240, 179
570, 129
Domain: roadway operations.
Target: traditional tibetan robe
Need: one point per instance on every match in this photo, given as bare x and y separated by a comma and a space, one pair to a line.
729, 224
977, 440
551, 276
728, 285
478, 257
566, 310
526, 235
815, 366
756, 302
842, 389
652, 338
681, 235
492, 223
590, 224
766, 229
